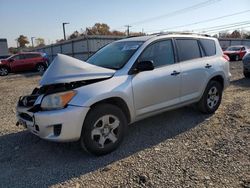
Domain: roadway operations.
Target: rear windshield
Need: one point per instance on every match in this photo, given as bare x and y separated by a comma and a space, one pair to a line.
115, 55
234, 48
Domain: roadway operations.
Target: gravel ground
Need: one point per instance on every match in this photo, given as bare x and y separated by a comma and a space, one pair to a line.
180, 148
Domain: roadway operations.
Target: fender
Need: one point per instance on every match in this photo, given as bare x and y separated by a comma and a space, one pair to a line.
118, 87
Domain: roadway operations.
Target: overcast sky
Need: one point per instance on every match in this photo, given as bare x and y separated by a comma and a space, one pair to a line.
44, 18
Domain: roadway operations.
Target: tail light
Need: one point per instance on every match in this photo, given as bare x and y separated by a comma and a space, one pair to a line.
226, 57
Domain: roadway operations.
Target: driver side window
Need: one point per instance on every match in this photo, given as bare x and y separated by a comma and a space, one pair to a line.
161, 53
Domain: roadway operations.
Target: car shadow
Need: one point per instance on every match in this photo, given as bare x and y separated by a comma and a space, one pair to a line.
27, 161
243, 82
27, 74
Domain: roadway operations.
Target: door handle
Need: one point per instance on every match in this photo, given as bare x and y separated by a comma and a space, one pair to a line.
208, 66
175, 73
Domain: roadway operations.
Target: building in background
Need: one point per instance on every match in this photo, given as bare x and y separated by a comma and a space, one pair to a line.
3, 48
81, 48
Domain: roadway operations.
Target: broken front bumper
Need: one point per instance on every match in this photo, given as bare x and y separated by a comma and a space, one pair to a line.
56, 125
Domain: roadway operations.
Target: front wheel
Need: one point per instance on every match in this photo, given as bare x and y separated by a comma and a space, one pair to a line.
103, 130
4, 71
211, 98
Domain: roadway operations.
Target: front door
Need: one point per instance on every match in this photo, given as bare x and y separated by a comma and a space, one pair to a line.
18, 63
159, 88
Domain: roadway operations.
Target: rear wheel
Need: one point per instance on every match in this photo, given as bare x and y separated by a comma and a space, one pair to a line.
40, 68
4, 71
211, 98
103, 130
237, 58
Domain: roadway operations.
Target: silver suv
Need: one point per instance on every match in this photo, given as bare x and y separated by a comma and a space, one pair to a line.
125, 81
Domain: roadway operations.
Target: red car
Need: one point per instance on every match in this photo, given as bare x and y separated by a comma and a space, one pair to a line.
24, 61
236, 53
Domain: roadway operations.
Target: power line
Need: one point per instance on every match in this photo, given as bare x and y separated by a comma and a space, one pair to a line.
203, 21
214, 28
180, 11
224, 29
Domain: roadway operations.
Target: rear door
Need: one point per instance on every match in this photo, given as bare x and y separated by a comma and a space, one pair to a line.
193, 73
31, 60
159, 88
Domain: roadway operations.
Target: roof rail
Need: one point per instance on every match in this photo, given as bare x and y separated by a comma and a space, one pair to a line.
131, 36
180, 33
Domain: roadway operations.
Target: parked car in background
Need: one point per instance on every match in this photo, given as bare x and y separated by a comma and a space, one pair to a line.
246, 65
125, 81
236, 53
24, 61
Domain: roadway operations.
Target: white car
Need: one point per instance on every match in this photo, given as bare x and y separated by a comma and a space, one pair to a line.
126, 81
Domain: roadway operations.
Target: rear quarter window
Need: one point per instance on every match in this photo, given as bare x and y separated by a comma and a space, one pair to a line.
208, 46
188, 49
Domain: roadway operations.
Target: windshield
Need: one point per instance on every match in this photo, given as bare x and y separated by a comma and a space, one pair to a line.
234, 48
115, 55
11, 56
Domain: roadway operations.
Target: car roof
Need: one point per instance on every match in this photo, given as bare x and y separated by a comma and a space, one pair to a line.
29, 53
163, 35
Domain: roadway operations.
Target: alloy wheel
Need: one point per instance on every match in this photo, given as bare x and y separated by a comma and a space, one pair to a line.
3, 71
40, 68
213, 97
237, 58
105, 130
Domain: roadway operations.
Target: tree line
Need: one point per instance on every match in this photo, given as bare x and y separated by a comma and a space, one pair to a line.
104, 29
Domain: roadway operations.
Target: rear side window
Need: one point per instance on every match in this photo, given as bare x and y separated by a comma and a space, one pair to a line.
28, 56
188, 49
161, 53
208, 46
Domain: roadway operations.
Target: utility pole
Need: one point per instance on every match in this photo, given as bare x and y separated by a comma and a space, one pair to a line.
64, 30
32, 42
128, 26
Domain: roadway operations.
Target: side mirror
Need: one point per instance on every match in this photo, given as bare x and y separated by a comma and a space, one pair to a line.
145, 66
11, 60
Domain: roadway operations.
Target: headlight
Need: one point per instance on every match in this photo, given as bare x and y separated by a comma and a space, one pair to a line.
57, 100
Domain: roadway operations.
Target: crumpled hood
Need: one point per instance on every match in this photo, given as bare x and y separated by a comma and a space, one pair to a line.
65, 69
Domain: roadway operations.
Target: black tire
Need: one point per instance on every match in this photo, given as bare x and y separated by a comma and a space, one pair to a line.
4, 71
206, 104
246, 74
41, 68
93, 122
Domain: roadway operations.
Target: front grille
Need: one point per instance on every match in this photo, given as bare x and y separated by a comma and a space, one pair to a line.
26, 116
27, 101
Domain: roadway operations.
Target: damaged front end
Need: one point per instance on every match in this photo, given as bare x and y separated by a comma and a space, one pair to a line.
46, 110
31, 101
